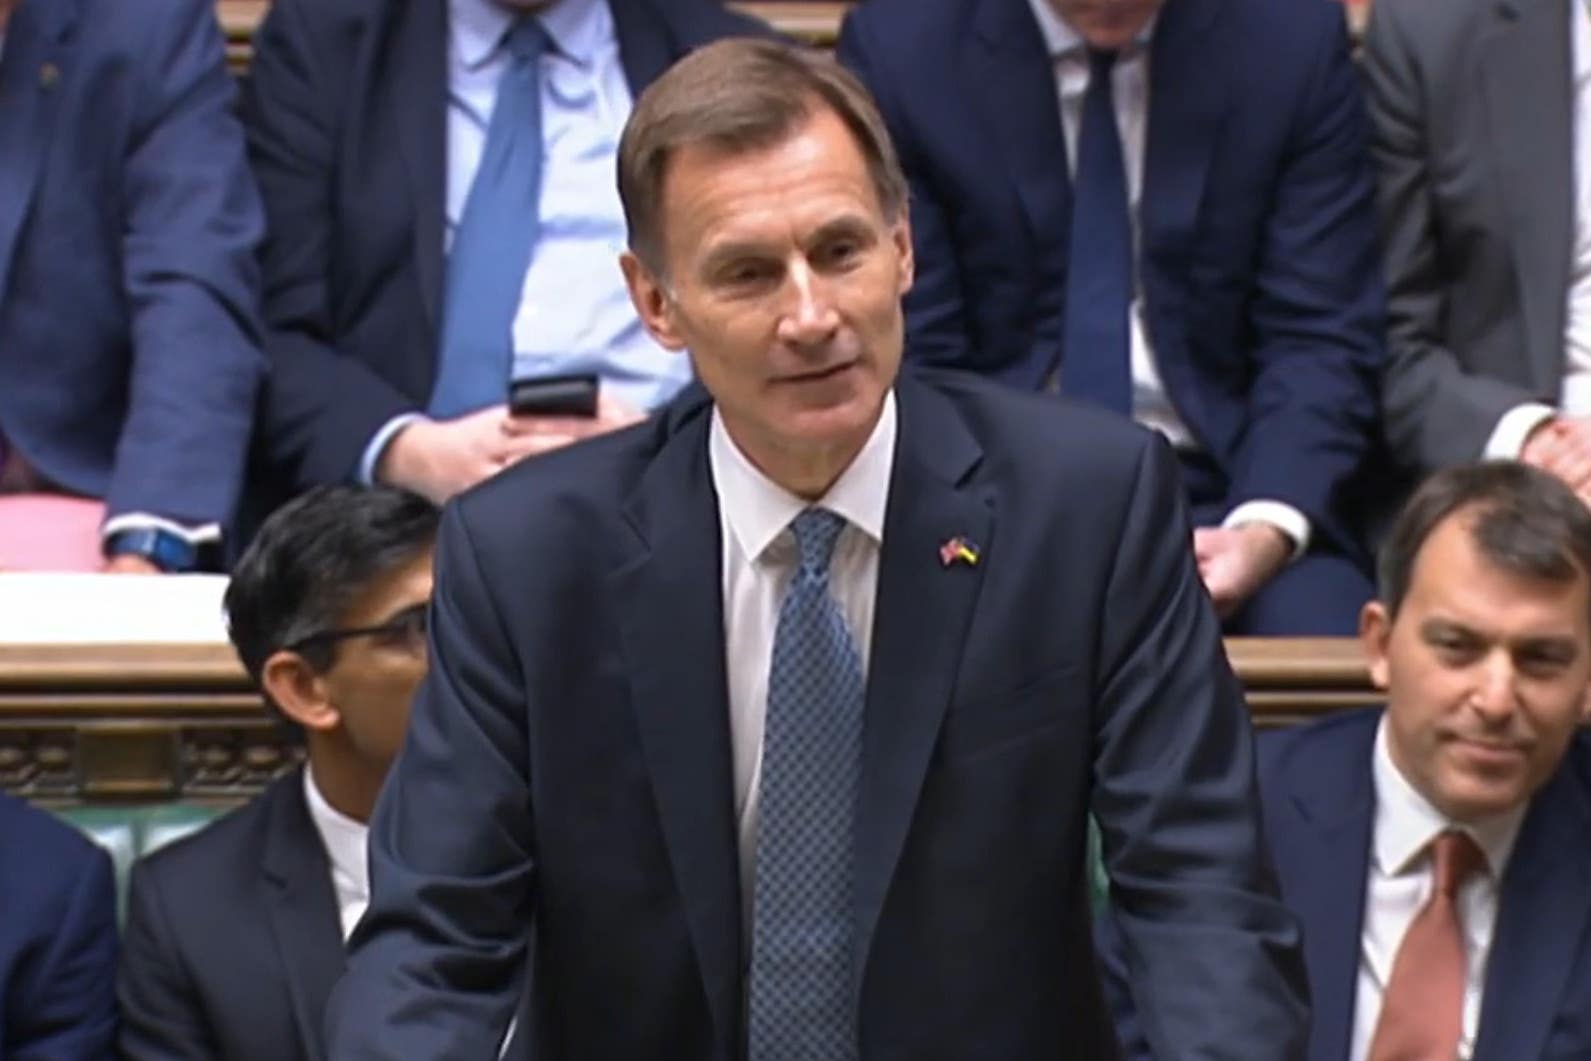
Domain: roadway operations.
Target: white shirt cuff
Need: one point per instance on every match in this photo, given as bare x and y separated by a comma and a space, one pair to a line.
1507, 440
1279, 514
378, 445
208, 532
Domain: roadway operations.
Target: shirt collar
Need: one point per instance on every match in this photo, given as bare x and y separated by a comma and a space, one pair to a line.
757, 510
578, 28
343, 837
1406, 822
1061, 40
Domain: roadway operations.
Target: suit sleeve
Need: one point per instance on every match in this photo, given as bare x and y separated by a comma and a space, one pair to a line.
1437, 414
193, 222
936, 326
161, 1017
321, 407
436, 964
61, 1002
1210, 956
1319, 305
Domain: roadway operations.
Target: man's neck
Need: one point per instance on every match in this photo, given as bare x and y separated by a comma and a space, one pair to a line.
348, 785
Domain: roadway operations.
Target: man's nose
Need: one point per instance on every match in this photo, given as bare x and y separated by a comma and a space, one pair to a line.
810, 316
1496, 688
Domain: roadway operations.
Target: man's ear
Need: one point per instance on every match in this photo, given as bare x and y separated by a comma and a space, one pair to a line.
652, 304
299, 691
1375, 637
901, 237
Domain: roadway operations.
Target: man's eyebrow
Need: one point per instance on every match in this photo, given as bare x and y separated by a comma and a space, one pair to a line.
404, 612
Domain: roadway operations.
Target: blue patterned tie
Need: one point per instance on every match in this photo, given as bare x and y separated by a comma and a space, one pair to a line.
491, 247
802, 1003
1096, 356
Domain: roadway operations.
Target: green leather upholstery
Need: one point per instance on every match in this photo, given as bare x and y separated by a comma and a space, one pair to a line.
129, 831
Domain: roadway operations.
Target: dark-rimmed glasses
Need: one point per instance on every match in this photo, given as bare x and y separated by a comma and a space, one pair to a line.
406, 629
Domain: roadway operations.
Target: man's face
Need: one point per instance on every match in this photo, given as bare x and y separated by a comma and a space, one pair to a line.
1106, 25
1485, 672
784, 280
373, 678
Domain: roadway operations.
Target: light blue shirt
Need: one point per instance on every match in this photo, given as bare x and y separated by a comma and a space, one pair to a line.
574, 313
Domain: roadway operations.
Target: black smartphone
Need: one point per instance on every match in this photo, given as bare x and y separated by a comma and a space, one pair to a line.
570, 395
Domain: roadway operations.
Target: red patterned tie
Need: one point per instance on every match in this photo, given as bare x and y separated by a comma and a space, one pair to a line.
1422, 1010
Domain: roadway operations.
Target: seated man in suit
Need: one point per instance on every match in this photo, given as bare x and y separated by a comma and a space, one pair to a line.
234, 935
1209, 268
57, 939
129, 346
1437, 849
438, 175
769, 728
1482, 135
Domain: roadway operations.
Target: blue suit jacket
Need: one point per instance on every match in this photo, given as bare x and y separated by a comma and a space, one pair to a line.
1319, 801
129, 355
1258, 263
347, 114
57, 940
568, 762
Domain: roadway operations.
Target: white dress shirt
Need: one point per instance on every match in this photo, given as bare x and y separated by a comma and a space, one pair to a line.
1574, 395
759, 558
1151, 406
345, 842
1400, 883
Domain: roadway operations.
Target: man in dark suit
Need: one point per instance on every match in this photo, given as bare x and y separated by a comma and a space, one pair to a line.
403, 293
129, 346
1482, 119
234, 935
1209, 268
57, 939
770, 728
1482, 642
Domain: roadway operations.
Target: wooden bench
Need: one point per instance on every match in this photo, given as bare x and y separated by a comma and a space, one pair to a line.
111, 723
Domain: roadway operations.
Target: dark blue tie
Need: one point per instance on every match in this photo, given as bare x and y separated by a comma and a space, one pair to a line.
491, 247
1096, 361
801, 1002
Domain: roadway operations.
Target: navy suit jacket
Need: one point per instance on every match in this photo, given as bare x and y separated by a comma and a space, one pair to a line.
57, 940
233, 940
1319, 801
347, 115
568, 767
129, 345
1258, 264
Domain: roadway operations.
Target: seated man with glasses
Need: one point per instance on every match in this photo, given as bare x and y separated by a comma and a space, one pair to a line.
234, 936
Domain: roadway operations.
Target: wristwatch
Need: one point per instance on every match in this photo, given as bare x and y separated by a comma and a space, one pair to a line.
167, 551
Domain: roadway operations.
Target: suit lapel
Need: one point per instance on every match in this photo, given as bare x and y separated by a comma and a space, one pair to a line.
646, 47
302, 908
1335, 808
1012, 79
1541, 921
920, 626
34, 63
1525, 56
670, 601
1187, 104
421, 90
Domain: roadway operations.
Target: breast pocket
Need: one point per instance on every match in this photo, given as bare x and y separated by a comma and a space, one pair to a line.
984, 723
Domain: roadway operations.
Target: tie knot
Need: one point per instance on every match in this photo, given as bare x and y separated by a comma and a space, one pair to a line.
1455, 858
1101, 63
816, 530
526, 40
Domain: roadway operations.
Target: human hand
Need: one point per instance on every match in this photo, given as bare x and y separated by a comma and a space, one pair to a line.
1234, 562
439, 458
548, 433
130, 564
1562, 447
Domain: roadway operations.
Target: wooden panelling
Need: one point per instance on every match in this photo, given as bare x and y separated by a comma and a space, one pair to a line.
104, 723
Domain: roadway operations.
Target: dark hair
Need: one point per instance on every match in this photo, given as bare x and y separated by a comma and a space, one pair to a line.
1522, 519
740, 95
312, 558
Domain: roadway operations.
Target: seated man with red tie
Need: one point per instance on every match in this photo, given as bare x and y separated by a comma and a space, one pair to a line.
1438, 851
